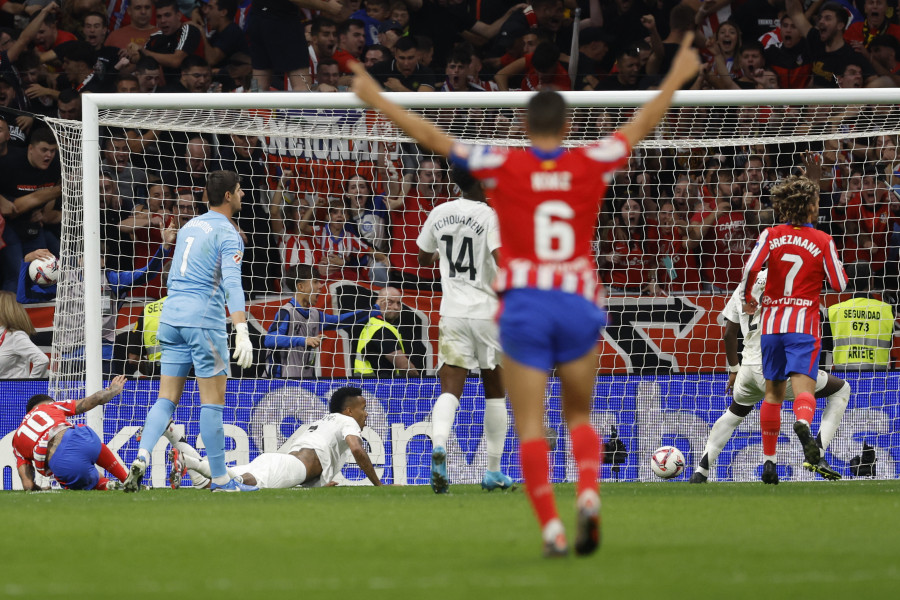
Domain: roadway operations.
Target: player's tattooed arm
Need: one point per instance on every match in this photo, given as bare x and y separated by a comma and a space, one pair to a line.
102, 397
362, 458
26, 474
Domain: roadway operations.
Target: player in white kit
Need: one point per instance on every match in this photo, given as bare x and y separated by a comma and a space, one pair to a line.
463, 236
748, 387
314, 459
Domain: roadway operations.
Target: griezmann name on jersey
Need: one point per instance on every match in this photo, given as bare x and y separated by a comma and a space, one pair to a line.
800, 259
205, 272
541, 199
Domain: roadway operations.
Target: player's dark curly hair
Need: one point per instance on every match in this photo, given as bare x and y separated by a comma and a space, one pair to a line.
342, 397
35, 400
792, 197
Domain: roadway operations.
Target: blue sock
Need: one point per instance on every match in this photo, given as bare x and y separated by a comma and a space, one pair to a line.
157, 421
213, 434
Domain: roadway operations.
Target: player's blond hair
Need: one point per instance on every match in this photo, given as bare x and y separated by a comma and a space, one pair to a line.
792, 198
13, 316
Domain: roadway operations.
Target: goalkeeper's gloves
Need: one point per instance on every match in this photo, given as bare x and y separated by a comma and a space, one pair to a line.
243, 349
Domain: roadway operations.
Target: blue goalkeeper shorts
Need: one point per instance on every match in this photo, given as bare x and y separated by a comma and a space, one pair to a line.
183, 347
74, 461
786, 353
544, 328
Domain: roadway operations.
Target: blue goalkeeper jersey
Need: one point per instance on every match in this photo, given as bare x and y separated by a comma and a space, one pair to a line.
205, 272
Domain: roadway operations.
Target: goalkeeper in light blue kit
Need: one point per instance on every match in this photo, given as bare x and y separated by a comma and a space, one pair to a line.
205, 273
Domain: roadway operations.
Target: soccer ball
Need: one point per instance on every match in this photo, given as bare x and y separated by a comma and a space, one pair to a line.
667, 462
44, 271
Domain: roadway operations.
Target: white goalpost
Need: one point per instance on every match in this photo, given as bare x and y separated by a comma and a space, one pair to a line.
135, 165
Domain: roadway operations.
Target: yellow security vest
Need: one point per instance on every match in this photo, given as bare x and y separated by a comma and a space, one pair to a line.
152, 312
863, 332
361, 366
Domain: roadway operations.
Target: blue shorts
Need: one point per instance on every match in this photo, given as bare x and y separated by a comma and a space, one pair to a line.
786, 353
75, 459
183, 347
544, 328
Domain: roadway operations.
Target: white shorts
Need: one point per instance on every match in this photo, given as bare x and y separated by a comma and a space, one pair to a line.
468, 343
274, 470
750, 385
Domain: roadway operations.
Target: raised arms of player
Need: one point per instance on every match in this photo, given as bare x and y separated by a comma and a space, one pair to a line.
369, 91
684, 68
102, 397
355, 444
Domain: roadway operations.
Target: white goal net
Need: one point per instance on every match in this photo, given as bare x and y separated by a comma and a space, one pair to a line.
338, 188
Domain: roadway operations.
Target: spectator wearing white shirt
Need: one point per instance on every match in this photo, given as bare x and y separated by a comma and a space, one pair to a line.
19, 357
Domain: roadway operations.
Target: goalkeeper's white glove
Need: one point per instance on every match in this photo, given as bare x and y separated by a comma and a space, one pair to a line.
243, 349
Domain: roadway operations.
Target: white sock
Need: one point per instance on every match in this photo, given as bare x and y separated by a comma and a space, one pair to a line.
835, 406
496, 423
768, 457
442, 416
719, 435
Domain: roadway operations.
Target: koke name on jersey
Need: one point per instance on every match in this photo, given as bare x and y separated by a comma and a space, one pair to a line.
552, 181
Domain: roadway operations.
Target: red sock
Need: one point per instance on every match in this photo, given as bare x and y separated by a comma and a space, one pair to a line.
805, 407
770, 424
586, 451
109, 461
535, 469
101, 485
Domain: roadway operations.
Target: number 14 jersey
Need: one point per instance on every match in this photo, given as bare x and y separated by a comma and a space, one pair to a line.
547, 205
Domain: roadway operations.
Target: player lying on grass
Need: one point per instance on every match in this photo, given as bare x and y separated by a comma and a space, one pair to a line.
748, 386
463, 235
47, 443
800, 259
315, 457
547, 199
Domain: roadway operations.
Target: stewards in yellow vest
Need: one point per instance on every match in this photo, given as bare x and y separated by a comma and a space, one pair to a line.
380, 350
863, 332
152, 312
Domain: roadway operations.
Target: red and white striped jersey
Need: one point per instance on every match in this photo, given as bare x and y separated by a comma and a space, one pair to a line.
37, 429
800, 259
547, 204
297, 249
345, 245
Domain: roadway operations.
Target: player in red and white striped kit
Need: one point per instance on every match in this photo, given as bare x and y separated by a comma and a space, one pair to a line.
47, 443
800, 258
547, 199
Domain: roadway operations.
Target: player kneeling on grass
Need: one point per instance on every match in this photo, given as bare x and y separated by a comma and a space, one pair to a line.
748, 386
315, 458
47, 443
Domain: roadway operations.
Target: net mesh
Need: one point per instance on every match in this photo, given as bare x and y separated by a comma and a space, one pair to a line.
661, 376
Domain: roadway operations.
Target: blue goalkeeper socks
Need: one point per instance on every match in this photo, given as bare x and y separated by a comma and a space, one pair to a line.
213, 434
157, 421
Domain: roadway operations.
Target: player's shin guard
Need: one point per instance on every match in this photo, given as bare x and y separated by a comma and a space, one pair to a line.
442, 416
770, 424
586, 452
721, 432
496, 423
835, 406
109, 461
536, 471
805, 407
213, 434
157, 421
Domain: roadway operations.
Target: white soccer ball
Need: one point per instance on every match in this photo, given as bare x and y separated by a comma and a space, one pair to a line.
667, 462
44, 271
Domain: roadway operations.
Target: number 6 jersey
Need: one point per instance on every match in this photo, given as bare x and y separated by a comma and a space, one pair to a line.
547, 204
464, 233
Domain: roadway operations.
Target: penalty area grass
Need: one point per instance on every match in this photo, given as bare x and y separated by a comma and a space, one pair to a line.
663, 540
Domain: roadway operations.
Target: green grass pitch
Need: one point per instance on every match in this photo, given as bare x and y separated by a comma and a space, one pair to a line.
661, 540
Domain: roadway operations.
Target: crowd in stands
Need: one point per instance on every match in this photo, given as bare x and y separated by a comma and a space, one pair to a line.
673, 222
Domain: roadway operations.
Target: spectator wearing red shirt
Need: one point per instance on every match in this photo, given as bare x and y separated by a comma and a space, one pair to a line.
428, 192
860, 34
49, 36
790, 60
722, 236
678, 269
338, 253
541, 68
351, 41
626, 265
867, 225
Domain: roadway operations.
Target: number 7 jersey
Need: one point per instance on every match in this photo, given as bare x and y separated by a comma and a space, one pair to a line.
547, 205
800, 259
